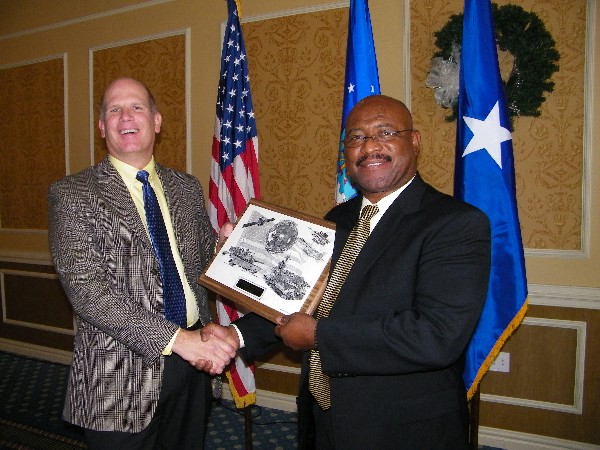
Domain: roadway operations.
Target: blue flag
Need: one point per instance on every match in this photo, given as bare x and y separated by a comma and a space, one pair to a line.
362, 80
485, 177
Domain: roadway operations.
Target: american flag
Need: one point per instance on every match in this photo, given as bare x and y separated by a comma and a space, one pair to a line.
234, 171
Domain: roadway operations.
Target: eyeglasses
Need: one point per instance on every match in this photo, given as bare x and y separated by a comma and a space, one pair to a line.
357, 140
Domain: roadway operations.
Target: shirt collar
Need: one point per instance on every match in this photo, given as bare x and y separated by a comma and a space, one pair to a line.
386, 201
128, 173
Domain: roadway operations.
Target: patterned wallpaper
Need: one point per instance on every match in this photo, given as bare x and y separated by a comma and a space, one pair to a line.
160, 65
296, 66
32, 148
548, 149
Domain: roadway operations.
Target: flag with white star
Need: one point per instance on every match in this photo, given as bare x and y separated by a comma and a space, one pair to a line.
362, 80
234, 171
485, 177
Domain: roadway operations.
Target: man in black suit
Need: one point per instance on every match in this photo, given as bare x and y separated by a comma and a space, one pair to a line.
392, 345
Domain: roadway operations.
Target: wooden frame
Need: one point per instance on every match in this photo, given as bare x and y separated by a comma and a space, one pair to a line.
275, 262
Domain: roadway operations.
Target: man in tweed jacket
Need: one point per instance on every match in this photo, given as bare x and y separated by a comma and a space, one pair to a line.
133, 383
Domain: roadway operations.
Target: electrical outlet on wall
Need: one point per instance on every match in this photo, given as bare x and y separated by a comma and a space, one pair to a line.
501, 363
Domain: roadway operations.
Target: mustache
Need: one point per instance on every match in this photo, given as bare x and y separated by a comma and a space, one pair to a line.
375, 156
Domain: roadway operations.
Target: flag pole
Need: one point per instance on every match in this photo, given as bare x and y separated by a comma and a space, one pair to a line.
234, 181
474, 421
248, 426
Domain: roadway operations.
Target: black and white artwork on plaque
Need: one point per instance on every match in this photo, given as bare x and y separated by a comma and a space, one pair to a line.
273, 258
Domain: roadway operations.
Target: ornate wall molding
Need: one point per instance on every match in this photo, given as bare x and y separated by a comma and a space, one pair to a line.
543, 295
6, 319
296, 60
514, 440
90, 17
549, 218
36, 351
564, 296
577, 406
171, 124
35, 139
279, 368
293, 12
21, 257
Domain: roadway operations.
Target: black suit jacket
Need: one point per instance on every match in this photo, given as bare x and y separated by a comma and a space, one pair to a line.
393, 343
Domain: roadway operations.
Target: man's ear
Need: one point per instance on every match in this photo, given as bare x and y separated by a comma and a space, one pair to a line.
416, 141
157, 122
102, 128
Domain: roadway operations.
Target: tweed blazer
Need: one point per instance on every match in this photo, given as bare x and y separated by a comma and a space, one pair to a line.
108, 269
394, 341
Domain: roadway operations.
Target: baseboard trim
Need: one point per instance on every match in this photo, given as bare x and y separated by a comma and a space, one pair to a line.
514, 440
268, 399
495, 437
36, 351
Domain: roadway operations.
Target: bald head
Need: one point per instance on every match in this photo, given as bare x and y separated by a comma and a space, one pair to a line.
381, 147
131, 81
129, 122
394, 106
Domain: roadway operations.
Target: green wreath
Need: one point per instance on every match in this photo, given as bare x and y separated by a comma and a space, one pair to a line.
524, 35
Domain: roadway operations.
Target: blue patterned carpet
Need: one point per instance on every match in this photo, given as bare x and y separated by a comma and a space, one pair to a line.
271, 428
32, 393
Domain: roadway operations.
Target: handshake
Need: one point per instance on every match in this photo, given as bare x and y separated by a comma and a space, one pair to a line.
211, 348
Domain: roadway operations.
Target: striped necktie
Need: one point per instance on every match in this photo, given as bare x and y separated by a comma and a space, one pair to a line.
318, 382
173, 295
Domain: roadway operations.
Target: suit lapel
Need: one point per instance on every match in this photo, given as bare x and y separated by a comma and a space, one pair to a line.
171, 190
344, 223
390, 225
118, 199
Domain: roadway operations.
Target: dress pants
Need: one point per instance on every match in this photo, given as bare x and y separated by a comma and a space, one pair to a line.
324, 428
180, 419
446, 432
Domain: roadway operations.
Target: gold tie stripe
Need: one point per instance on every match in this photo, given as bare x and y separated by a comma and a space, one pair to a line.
318, 382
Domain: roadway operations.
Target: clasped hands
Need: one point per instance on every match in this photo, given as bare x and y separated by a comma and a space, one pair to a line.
296, 330
219, 344
210, 353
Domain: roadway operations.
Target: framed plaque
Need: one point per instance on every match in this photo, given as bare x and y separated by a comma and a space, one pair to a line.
274, 263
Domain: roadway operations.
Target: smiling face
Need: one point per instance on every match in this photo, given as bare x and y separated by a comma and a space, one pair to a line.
376, 167
129, 122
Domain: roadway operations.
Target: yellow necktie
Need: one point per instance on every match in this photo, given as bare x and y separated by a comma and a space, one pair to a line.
318, 382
